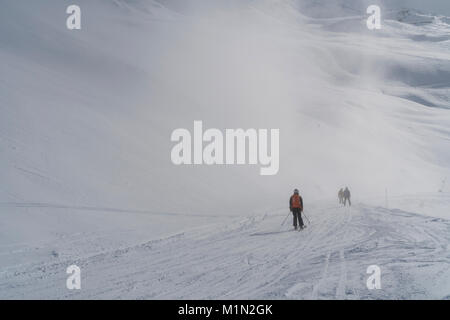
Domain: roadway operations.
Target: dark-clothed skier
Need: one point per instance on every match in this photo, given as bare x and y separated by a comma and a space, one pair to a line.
347, 197
296, 207
341, 196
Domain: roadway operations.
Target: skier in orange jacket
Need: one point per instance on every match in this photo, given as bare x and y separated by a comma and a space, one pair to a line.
296, 207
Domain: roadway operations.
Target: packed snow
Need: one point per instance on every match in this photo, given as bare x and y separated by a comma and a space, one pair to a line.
85, 123
256, 258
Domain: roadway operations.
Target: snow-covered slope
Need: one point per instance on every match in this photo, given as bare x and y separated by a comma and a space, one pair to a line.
257, 258
86, 118
87, 115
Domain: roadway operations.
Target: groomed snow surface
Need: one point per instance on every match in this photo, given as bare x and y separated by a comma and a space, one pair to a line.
252, 258
85, 171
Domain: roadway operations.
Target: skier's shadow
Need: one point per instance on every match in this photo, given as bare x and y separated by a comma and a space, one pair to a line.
268, 233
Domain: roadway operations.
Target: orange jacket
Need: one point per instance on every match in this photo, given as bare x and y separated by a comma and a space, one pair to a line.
296, 202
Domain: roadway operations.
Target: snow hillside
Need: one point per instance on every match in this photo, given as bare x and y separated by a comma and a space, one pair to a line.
257, 258
85, 124
94, 126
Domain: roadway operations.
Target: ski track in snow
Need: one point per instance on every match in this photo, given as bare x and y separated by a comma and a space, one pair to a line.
256, 258
89, 144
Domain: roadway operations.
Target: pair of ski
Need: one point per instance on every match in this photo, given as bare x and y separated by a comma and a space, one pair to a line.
300, 228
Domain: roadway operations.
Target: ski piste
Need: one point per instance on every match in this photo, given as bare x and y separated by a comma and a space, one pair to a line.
325, 261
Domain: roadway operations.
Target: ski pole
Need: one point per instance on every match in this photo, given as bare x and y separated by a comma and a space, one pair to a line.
285, 219
306, 218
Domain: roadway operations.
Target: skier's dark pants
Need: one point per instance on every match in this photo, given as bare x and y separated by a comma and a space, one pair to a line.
349, 202
297, 216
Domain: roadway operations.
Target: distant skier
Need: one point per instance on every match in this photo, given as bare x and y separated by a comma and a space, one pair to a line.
341, 196
296, 207
347, 197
